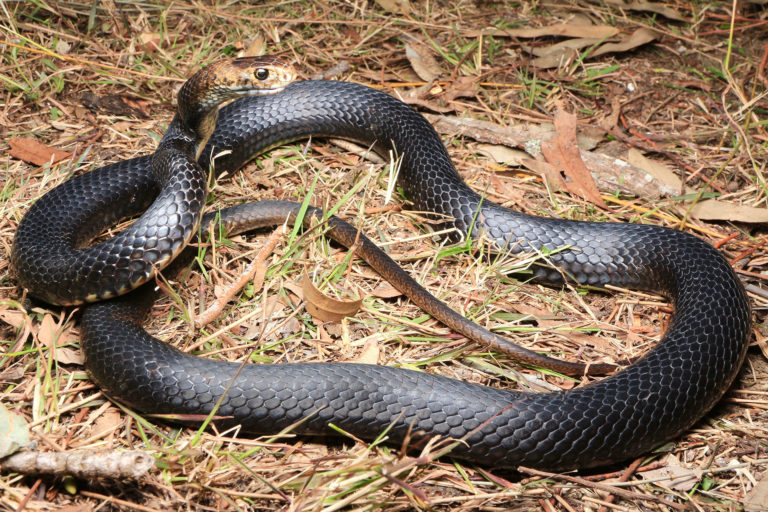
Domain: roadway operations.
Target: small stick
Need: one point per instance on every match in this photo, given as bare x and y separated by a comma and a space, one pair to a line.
257, 271
630, 495
623, 478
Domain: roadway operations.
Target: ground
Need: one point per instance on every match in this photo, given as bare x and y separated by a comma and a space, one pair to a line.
684, 89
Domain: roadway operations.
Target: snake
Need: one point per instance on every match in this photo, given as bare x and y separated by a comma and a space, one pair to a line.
625, 415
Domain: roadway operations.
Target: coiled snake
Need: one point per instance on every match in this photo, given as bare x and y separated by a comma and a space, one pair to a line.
619, 417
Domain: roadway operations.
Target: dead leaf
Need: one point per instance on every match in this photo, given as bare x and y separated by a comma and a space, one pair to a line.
14, 432
106, 422
562, 152
13, 318
64, 355
256, 47
117, 104
50, 333
561, 29
37, 153
560, 53
151, 41
674, 475
386, 291
323, 307
661, 172
712, 209
756, 500
422, 61
641, 5
462, 87
562, 58
502, 154
369, 354
398, 6
639, 37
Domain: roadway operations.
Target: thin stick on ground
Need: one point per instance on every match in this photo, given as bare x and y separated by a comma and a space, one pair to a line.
256, 271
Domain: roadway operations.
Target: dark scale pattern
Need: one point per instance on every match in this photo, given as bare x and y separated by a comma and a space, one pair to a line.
48, 254
611, 420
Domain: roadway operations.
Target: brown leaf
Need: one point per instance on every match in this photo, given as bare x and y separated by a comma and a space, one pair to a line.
326, 308
641, 5
256, 47
674, 475
462, 87
64, 355
756, 500
13, 318
712, 209
50, 333
562, 151
369, 355
151, 41
398, 6
639, 37
386, 291
116, 104
672, 183
422, 61
33, 152
502, 154
561, 29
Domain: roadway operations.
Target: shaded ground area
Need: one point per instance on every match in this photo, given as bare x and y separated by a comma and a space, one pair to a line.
676, 90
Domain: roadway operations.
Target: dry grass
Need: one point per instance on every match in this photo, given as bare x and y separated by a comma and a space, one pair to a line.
687, 111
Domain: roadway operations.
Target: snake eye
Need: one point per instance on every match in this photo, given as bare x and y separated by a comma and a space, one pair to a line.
262, 74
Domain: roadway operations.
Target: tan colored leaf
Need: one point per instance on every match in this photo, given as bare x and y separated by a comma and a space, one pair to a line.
503, 154
422, 61
674, 475
657, 7
561, 29
462, 87
14, 432
106, 422
398, 6
256, 47
323, 307
568, 44
386, 291
673, 184
66, 355
151, 41
756, 500
549, 171
369, 355
562, 151
13, 318
563, 57
639, 37
712, 209
34, 152
48, 332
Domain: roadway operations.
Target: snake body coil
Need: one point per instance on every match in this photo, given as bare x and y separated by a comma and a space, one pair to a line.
617, 418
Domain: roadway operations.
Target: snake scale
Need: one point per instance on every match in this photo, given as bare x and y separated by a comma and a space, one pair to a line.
622, 416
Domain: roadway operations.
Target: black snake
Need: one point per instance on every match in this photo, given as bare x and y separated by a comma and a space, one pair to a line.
622, 416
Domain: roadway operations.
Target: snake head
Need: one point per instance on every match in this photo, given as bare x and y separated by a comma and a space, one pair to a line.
200, 96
